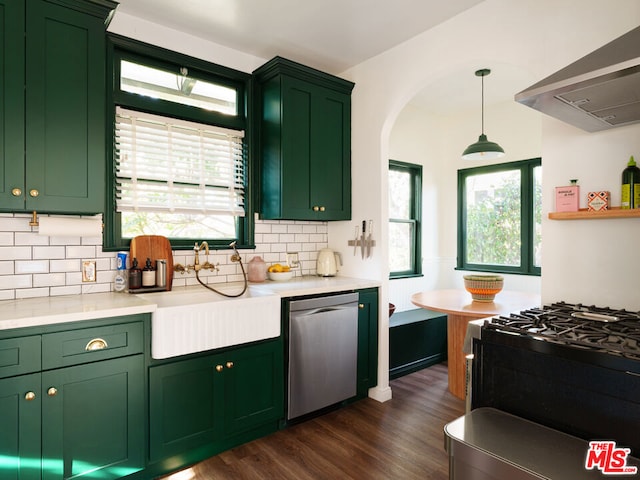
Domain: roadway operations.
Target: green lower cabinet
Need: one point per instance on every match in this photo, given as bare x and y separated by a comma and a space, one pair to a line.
214, 400
93, 420
367, 341
20, 402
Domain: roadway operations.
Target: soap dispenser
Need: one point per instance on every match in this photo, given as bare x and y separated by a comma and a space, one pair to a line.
135, 275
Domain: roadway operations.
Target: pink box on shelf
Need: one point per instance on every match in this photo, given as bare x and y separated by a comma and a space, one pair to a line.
568, 198
597, 201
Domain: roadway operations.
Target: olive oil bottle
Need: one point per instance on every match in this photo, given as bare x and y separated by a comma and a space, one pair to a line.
630, 186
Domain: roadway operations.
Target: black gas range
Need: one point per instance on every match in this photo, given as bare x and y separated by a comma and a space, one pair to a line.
571, 367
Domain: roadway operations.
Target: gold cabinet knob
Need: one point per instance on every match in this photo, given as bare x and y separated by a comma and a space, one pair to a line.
52, 392
33, 193
229, 364
219, 368
361, 306
96, 344
16, 192
322, 209
316, 208
30, 396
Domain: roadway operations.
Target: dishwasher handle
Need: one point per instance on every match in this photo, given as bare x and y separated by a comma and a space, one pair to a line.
315, 311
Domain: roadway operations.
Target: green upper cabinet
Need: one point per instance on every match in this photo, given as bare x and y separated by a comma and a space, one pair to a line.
11, 103
304, 143
53, 156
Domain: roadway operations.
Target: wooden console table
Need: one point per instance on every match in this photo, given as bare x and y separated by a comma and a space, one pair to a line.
460, 310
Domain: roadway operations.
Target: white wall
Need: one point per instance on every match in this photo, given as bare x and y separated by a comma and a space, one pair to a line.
538, 36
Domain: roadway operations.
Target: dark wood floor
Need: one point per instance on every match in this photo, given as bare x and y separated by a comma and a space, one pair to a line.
398, 439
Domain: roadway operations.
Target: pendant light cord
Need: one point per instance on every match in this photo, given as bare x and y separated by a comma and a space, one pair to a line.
482, 96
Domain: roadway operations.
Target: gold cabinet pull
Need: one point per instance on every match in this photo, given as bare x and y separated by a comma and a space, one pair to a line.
33, 193
322, 209
219, 368
30, 396
96, 344
229, 364
361, 306
16, 192
316, 208
52, 392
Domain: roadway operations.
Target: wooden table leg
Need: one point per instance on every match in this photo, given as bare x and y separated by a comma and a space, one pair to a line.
456, 330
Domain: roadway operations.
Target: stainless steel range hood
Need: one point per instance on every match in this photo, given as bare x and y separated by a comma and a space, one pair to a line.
599, 91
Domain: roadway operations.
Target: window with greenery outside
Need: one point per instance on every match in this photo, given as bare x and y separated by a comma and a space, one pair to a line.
405, 194
500, 216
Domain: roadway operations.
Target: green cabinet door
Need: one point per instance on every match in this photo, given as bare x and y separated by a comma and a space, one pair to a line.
305, 143
65, 109
20, 401
93, 420
205, 401
367, 341
253, 386
11, 105
316, 168
182, 407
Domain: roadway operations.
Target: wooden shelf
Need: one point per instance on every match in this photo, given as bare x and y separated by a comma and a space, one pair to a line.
583, 214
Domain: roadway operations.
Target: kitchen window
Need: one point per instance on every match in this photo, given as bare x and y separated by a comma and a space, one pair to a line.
499, 218
180, 157
405, 219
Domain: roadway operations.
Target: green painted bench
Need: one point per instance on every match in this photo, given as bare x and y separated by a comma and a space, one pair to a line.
417, 339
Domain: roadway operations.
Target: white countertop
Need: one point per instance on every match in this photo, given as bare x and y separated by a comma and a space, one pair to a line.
72, 308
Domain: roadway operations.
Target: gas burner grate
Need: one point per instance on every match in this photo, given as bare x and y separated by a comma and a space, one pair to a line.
616, 332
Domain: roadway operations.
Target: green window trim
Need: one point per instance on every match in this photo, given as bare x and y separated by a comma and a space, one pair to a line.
121, 48
414, 219
527, 218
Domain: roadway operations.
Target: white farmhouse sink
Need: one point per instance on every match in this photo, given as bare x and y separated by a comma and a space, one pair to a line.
194, 319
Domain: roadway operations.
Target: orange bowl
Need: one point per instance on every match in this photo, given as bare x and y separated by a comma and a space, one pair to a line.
483, 288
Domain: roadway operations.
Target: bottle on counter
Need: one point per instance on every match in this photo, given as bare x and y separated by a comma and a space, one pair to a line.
120, 279
630, 185
148, 274
135, 275
161, 272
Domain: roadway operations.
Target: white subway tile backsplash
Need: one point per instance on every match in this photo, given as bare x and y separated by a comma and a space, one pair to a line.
7, 294
33, 265
48, 253
7, 268
29, 238
64, 240
32, 293
73, 265
96, 288
80, 252
8, 282
70, 290
15, 253
6, 238
49, 280
15, 224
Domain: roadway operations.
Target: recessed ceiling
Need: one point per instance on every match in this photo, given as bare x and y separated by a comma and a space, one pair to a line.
330, 35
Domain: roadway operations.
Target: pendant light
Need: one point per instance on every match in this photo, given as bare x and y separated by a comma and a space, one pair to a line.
483, 149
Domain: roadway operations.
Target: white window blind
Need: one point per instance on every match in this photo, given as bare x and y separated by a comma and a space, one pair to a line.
170, 165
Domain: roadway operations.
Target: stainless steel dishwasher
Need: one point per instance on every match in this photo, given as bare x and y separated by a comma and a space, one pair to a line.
323, 352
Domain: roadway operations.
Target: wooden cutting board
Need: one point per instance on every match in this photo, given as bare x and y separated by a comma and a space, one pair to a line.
154, 247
